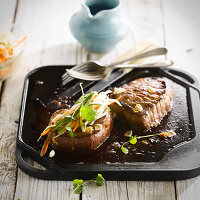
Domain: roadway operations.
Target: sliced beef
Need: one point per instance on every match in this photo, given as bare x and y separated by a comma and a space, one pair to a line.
82, 140
145, 101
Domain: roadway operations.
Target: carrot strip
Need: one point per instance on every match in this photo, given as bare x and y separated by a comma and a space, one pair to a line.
96, 107
45, 132
73, 123
45, 146
9, 50
77, 124
116, 99
95, 96
19, 42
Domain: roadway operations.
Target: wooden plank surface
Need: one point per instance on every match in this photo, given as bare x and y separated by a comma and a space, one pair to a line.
8, 9
183, 39
7, 163
182, 32
50, 42
7, 14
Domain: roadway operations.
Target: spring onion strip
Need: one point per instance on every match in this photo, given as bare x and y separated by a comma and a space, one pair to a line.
81, 86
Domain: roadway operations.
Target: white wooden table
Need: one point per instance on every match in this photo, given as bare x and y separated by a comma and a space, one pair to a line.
174, 23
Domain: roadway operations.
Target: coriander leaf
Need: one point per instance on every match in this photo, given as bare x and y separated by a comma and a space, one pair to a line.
77, 186
133, 140
124, 149
100, 180
88, 113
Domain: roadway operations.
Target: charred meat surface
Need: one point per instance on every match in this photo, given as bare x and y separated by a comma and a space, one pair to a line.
84, 140
145, 101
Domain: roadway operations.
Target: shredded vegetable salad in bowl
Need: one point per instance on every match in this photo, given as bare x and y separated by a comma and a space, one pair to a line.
82, 119
10, 53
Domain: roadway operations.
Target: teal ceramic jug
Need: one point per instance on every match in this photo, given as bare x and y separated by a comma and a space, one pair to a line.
99, 25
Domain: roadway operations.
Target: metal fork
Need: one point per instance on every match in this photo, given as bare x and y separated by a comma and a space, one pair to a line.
103, 72
87, 66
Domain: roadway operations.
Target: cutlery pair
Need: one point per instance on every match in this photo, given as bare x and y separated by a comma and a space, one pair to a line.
95, 71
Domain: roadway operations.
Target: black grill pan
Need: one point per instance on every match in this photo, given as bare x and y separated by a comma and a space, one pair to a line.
182, 162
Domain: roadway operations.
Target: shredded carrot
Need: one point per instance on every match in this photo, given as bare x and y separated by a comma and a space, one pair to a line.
45, 132
19, 42
96, 107
95, 96
45, 146
73, 123
9, 50
77, 124
116, 99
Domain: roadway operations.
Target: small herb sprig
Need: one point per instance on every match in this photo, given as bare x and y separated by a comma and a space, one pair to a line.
133, 139
79, 183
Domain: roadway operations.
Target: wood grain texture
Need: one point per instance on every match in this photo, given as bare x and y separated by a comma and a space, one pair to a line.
7, 124
188, 189
49, 44
31, 188
173, 22
7, 13
151, 190
183, 38
182, 33
111, 190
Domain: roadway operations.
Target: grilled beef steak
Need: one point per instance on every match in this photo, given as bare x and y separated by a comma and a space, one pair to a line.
83, 140
145, 101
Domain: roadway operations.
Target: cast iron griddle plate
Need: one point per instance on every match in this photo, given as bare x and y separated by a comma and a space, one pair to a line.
158, 159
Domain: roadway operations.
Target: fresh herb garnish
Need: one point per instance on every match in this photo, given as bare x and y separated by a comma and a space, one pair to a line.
88, 113
79, 183
133, 139
100, 180
124, 149
77, 186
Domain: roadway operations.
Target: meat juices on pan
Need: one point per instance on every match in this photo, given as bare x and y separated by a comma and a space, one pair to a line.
145, 101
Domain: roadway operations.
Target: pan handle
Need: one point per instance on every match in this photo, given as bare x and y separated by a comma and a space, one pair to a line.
186, 75
47, 174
